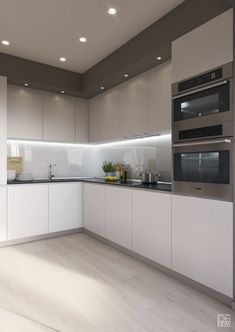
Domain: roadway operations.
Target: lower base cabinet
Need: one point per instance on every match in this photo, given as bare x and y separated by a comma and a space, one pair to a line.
27, 210
152, 226
93, 208
202, 241
65, 206
118, 216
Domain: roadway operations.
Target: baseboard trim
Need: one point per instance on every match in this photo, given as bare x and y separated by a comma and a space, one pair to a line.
40, 237
194, 284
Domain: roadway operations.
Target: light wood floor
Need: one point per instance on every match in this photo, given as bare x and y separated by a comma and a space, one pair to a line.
78, 284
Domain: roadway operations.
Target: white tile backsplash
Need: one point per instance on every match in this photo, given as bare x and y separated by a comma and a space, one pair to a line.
87, 161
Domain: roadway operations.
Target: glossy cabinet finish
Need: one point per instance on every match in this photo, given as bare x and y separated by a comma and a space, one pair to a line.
152, 226
65, 206
93, 208
159, 98
202, 241
104, 116
27, 210
3, 213
24, 113
82, 114
118, 216
203, 48
3, 130
58, 118
134, 107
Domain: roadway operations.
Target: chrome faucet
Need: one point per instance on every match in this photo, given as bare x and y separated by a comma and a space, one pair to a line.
51, 174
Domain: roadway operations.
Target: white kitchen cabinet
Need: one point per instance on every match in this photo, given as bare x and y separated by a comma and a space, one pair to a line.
24, 113
208, 46
134, 107
59, 118
3, 213
3, 130
104, 116
82, 114
118, 216
27, 210
93, 208
152, 226
202, 241
159, 98
65, 206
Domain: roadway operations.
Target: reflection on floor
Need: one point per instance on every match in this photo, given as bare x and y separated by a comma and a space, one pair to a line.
78, 284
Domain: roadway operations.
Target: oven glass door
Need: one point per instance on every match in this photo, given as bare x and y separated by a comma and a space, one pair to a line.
203, 167
210, 101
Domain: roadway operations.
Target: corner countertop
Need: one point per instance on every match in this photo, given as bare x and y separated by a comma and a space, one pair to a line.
159, 186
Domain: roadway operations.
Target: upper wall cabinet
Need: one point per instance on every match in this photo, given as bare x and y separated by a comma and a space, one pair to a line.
159, 98
133, 107
59, 118
104, 116
208, 46
81, 120
24, 113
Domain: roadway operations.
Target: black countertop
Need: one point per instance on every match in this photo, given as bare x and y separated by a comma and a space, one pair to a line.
160, 186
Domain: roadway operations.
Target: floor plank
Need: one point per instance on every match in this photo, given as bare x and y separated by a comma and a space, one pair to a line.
77, 283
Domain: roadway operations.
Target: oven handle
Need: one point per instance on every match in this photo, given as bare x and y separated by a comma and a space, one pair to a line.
208, 86
216, 141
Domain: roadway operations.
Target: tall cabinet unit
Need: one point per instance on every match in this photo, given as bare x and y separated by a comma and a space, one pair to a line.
206, 47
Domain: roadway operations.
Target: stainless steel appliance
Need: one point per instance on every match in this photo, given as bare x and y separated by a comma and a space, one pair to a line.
204, 168
202, 106
148, 177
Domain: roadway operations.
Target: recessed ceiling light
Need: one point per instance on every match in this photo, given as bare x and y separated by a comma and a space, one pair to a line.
62, 59
112, 11
82, 39
5, 42
62, 91
102, 87
26, 84
159, 58
126, 75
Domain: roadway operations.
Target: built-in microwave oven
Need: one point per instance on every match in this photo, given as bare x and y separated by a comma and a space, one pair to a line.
204, 168
202, 106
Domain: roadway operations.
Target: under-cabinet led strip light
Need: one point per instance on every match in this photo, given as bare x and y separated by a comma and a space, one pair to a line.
124, 142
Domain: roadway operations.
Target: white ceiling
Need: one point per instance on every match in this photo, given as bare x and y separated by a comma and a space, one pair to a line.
45, 30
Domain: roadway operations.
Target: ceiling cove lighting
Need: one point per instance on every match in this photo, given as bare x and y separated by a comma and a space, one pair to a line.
62, 59
74, 145
159, 58
112, 11
83, 39
5, 42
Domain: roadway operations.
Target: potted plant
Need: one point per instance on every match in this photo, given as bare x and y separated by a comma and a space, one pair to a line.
108, 167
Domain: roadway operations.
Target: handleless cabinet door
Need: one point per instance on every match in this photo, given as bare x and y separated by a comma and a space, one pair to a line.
159, 97
82, 114
104, 116
59, 118
24, 113
152, 226
118, 216
93, 208
3, 213
65, 206
203, 48
202, 241
133, 107
27, 210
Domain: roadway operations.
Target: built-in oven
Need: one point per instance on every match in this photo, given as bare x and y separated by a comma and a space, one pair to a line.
204, 168
202, 106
